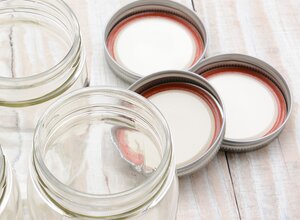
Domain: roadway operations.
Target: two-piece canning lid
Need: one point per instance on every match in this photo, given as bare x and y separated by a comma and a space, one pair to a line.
194, 114
253, 97
256, 97
151, 36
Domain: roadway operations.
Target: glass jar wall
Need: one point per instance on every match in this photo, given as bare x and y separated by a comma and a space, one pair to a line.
10, 205
102, 153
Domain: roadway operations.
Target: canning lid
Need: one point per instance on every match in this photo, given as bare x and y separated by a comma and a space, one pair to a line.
150, 36
257, 99
193, 111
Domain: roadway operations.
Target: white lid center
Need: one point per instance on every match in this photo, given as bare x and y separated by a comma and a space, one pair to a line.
191, 123
251, 107
150, 44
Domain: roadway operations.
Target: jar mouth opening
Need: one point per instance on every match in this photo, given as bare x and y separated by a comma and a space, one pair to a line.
152, 183
66, 13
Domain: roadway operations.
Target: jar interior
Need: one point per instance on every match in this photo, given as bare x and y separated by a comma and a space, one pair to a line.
101, 144
32, 41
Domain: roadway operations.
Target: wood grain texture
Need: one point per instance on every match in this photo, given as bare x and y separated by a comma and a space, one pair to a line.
266, 182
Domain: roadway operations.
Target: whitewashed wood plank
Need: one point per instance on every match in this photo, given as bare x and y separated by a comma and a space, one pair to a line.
266, 182
208, 193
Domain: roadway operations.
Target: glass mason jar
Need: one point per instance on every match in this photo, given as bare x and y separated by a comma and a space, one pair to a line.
10, 205
102, 153
41, 58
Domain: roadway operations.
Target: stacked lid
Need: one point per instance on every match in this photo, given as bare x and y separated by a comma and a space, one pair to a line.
158, 36
256, 99
194, 113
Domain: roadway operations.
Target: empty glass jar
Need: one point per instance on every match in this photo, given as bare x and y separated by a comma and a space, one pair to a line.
10, 205
102, 153
41, 58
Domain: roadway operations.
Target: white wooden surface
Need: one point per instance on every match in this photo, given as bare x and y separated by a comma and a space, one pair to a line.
258, 185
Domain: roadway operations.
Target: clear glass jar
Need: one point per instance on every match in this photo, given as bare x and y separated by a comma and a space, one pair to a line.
42, 58
102, 153
10, 205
